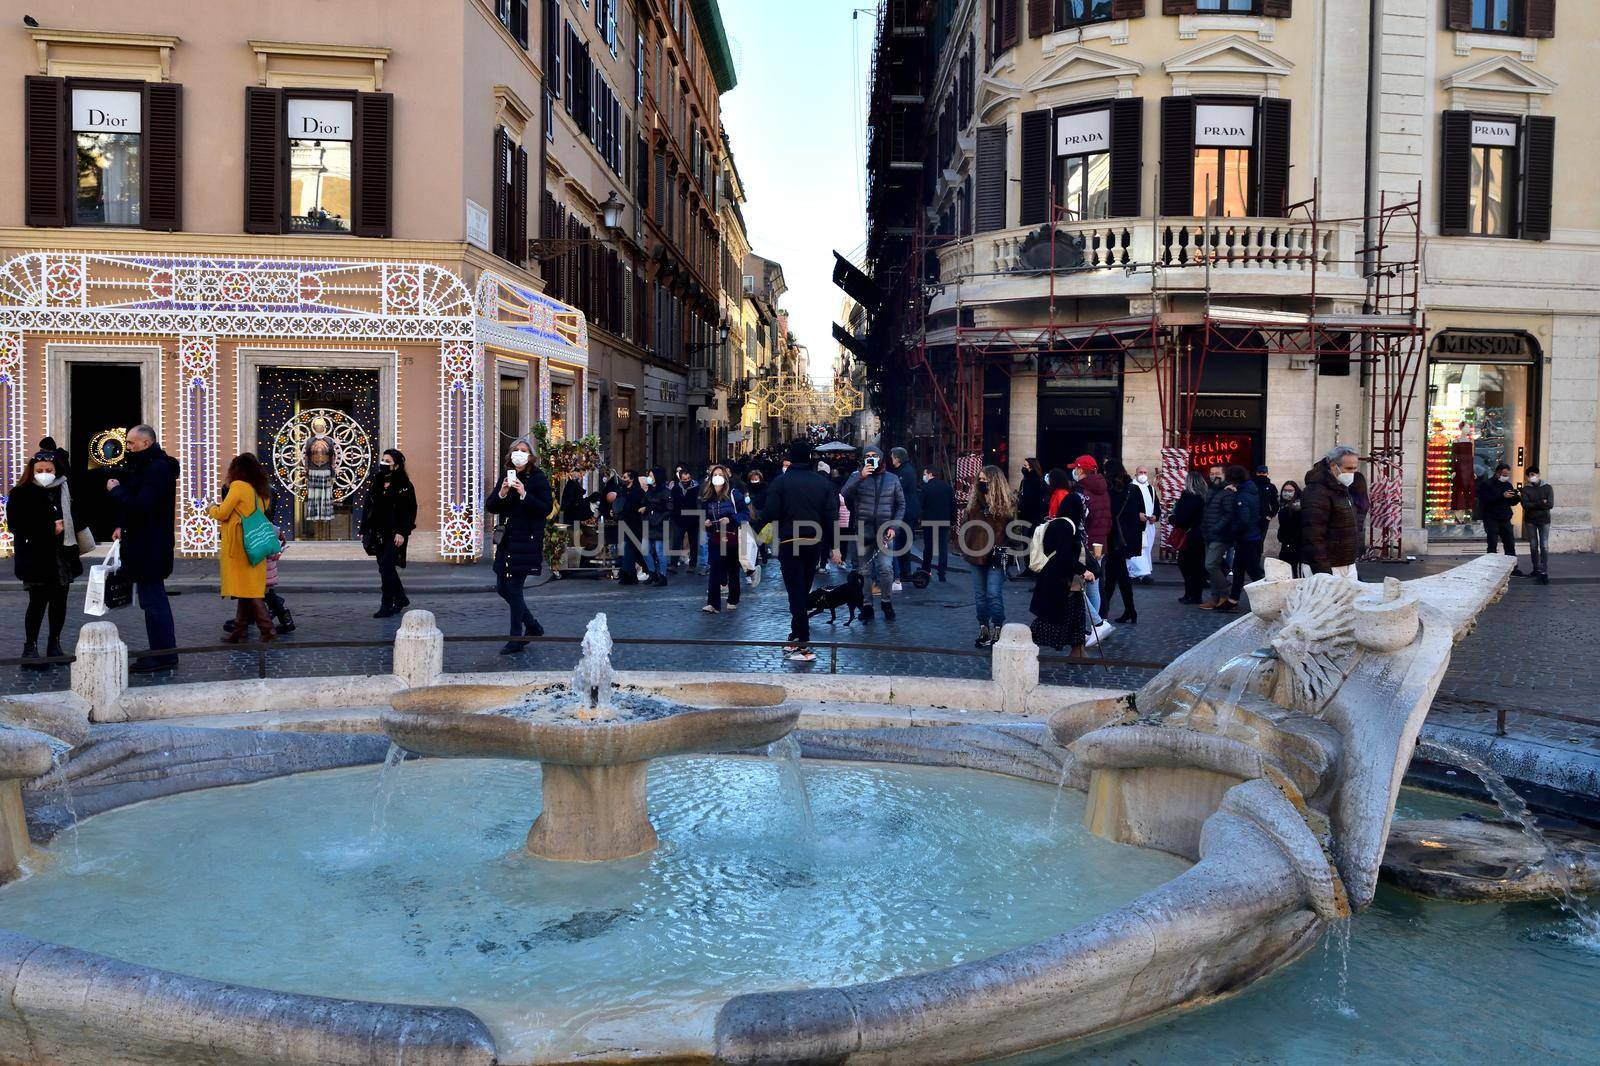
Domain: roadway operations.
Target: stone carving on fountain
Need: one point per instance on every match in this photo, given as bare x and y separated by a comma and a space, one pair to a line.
594, 745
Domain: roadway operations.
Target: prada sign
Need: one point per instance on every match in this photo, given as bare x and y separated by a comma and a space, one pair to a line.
1095, 411
1470, 346
1083, 133
1224, 126
1228, 412
1494, 132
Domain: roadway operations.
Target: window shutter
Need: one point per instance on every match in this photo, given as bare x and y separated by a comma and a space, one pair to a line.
1177, 155
519, 21
1539, 18
1035, 168
1277, 9
161, 157
500, 238
519, 217
374, 165
1455, 174
1538, 175
1127, 132
1127, 9
45, 149
1273, 154
1178, 7
265, 149
660, 199
1458, 14
1041, 17
990, 165
1008, 23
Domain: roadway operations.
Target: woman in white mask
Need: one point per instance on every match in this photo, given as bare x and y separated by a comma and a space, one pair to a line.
725, 511
521, 501
39, 515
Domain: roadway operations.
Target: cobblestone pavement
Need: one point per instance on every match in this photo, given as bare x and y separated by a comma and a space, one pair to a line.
1535, 652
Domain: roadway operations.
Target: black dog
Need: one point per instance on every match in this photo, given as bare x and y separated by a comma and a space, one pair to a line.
848, 594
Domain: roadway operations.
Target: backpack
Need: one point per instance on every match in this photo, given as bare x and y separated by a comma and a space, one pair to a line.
1038, 558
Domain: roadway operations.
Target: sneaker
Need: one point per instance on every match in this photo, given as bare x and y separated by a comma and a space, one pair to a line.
984, 639
897, 587
708, 609
1091, 639
1104, 630
803, 655
865, 614
888, 611
1518, 572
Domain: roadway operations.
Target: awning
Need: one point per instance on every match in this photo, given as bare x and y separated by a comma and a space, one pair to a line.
514, 317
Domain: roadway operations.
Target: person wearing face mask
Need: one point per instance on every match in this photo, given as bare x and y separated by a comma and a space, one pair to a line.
901, 466
1330, 525
686, 528
938, 512
1189, 538
982, 537
1141, 568
1538, 500
144, 498
45, 551
877, 503
755, 486
657, 523
1216, 528
725, 512
1290, 537
520, 501
628, 507
386, 528
1497, 499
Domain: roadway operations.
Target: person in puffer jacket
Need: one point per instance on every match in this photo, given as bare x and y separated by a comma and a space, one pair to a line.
875, 499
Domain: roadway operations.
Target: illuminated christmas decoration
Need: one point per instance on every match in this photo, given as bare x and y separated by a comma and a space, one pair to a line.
350, 444
14, 451
460, 435
197, 443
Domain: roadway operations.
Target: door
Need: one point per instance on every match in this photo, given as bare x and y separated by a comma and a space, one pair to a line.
104, 402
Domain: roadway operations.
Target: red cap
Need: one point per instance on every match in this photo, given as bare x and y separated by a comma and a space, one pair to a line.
1086, 462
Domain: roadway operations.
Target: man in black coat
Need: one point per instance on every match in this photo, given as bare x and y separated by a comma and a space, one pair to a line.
938, 513
145, 497
901, 466
802, 507
685, 526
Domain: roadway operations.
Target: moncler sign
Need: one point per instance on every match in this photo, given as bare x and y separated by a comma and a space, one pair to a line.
320, 120
1080, 134
1224, 126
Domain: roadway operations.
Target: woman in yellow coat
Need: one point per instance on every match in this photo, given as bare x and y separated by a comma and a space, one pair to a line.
247, 490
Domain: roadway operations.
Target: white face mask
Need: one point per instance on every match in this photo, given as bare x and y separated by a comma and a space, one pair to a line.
718, 481
1533, 479
519, 459
1505, 477
1143, 479
44, 480
1347, 478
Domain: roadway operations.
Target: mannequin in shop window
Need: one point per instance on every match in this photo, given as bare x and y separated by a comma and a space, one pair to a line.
320, 461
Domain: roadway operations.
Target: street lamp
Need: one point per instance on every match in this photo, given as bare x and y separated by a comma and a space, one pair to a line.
722, 338
611, 210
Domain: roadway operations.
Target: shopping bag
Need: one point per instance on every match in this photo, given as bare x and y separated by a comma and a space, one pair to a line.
94, 601
748, 550
260, 536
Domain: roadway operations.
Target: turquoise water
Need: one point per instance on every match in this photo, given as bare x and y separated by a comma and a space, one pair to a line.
287, 884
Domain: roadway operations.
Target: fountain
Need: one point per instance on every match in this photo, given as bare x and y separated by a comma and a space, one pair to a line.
594, 744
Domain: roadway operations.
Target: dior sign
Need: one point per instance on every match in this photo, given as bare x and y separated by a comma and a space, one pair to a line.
321, 120
1083, 133
105, 111
1224, 126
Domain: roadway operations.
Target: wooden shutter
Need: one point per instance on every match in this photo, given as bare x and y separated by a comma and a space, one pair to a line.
1127, 179
1036, 160
1178, 7
519, 21
1539, 18
374, 165
1458, 14
1538, 175
1127, 9
1177, 155
659, 202
161, 157
519, 217
265, 161
1041, 17
990, 164
45, 150
1008, 13
500, 223
1455, 174
1272, 154
1277, 9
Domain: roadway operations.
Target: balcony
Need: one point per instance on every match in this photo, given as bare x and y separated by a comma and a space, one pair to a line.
1115, 257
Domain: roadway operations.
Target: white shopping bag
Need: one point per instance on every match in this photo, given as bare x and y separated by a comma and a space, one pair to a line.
94, 602
749, 553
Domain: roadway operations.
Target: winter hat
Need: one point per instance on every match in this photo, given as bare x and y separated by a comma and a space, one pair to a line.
799, 452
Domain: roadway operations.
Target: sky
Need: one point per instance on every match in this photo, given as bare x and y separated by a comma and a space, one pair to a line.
796, 121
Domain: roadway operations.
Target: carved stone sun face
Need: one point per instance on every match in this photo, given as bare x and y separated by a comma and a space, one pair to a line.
1317, 642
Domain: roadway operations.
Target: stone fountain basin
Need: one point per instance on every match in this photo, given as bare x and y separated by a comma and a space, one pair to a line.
462, 721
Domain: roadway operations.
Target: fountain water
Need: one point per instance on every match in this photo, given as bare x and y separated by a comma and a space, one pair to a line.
1515, 808
785, 751
595, 745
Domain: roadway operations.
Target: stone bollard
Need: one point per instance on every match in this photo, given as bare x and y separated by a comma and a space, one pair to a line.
418, 650
100, 671
1014, 666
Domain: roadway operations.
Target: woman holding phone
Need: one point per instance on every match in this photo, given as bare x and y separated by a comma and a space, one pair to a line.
521, 500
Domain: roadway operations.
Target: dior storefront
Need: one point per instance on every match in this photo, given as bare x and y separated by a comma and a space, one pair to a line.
316, 365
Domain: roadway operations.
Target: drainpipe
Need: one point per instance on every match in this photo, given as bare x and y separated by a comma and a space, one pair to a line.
1369, 231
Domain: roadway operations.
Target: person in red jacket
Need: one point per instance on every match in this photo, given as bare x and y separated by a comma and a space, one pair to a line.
1086, 472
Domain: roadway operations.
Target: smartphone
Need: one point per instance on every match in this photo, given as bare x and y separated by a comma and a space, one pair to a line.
511, 478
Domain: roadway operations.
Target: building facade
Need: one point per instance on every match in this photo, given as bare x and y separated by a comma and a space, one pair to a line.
258, 242
1187, 231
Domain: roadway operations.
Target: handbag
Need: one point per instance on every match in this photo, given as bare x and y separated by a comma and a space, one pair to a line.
1176, 538
104, 594
260, 536
86, 541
